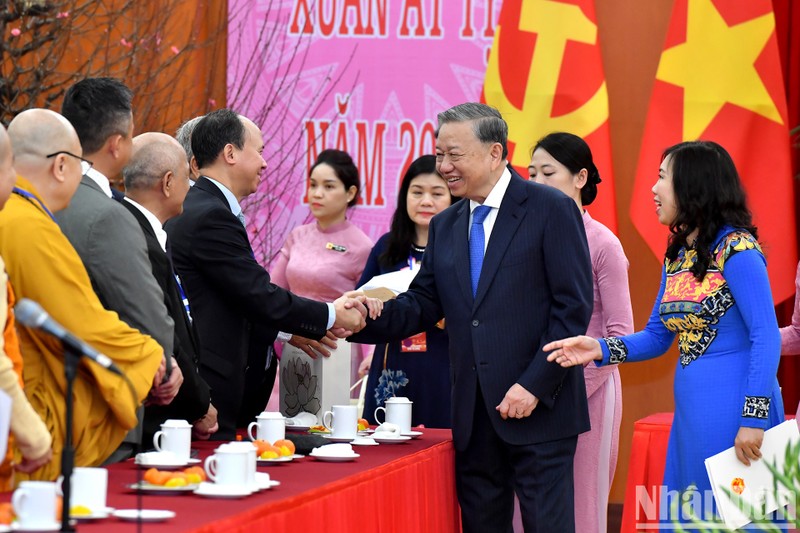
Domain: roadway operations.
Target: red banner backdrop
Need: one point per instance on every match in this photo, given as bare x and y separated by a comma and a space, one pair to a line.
719, 78
545, 74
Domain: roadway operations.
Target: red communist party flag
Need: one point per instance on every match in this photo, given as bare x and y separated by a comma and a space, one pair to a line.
545, 74
719, 79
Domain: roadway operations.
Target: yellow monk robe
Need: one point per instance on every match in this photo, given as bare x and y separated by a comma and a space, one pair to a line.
42, 265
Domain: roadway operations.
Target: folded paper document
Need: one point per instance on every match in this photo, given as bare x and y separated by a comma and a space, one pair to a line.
387, 286
753, 484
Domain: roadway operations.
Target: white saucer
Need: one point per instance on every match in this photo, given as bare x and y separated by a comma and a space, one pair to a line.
282, 459
97, 515
146, 487
413, 434
390, 440
147, 515
364, 441
55, 526
338, 439
334, 458
263, 481
212, 490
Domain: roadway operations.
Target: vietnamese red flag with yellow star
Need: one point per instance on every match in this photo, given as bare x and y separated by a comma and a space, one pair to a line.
545, 74
719, 79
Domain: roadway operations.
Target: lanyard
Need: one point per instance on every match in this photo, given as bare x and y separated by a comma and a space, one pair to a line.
31, 198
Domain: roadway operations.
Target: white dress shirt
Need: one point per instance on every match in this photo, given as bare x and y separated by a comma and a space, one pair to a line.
494, 200
158, 229
100, 179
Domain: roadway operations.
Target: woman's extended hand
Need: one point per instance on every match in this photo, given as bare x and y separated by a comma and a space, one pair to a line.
574, 351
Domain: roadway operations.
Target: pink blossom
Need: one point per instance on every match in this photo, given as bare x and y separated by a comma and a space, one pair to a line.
63, 15
125, 42
175, 50
15, 32
212, 102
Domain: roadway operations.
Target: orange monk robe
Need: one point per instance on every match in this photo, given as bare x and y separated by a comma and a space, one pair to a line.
29, 435
43, 266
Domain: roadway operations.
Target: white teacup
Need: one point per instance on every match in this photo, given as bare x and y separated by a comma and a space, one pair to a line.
89, 488
176, 437
34, 504
248, 448
229, 466
271, 427
342, 421
398, 411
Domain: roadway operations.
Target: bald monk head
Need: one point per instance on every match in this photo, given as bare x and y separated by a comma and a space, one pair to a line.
157, 176
7, 173
47, 152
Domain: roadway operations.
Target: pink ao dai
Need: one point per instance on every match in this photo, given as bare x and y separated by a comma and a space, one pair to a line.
596, 454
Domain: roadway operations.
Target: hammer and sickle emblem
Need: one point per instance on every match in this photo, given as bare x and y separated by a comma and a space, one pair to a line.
554, 23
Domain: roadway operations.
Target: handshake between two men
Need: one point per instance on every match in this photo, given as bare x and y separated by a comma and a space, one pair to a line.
352, 309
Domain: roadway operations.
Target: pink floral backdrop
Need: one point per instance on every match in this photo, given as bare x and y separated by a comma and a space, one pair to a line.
365, 76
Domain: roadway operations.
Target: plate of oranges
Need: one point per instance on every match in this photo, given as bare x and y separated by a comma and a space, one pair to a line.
280, 451
170, 482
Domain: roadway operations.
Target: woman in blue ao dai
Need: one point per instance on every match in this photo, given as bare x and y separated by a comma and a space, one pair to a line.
715, 297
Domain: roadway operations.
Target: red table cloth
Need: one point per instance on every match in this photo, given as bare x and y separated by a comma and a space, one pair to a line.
645, 470
391, 487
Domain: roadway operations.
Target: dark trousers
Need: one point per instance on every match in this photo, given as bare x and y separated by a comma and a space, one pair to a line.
489, 471
258, 385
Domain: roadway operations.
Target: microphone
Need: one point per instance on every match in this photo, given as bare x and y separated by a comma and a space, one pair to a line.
31, 314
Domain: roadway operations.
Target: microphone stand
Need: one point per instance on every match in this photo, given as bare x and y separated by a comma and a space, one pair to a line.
71, 359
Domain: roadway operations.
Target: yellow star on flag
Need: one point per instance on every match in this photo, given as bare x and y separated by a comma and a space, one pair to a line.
716, 65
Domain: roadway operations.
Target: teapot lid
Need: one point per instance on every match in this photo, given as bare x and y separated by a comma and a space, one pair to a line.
174, 423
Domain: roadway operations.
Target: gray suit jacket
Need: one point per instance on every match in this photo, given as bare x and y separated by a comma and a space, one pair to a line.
113, 249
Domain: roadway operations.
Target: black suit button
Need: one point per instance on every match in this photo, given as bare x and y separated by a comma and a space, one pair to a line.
475, 323
473, 367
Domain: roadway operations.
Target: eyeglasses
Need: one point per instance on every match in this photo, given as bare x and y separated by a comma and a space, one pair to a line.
85, 163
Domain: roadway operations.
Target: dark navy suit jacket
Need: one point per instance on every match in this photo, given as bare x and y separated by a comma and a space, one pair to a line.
231, 296
535, 287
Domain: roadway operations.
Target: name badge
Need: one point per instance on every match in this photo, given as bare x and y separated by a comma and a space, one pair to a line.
335, 247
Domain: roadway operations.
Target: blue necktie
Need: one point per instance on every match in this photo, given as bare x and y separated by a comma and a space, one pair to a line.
476, 244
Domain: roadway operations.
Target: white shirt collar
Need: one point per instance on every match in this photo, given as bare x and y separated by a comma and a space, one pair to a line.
495, 197
100, 179
158, 229
236, 209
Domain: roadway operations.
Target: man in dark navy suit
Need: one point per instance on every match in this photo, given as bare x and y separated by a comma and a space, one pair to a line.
232, 299
508, 268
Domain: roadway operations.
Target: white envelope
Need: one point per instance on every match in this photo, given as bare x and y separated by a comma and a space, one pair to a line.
396, 282
753, 483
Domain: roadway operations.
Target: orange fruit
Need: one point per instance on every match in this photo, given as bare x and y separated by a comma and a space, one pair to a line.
196, 471
193, 479
150, 475
270, 452
286, 446
161, 477
178, 475
261, 446
176, 482
6, 513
